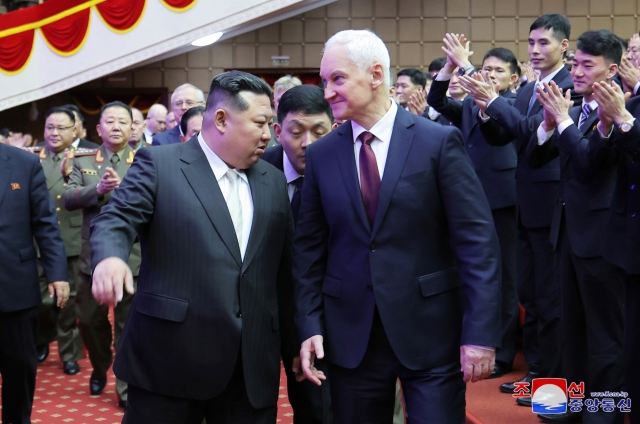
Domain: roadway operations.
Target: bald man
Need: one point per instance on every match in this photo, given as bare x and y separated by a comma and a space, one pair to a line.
156, 121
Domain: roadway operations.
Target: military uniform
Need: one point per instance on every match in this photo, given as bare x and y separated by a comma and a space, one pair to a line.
81, 193
69, 341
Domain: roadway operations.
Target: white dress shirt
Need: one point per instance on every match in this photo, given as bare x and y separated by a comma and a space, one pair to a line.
291, 174
219, 169
380, 145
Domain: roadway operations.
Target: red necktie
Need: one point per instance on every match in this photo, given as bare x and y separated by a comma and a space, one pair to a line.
369, 176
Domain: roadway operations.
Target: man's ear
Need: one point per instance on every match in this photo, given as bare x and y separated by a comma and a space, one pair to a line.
277, 130
564, 45
220, 120
182, 138
334, 126
377, 73
612, 71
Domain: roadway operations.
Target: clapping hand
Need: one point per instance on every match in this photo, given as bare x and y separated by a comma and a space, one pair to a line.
629, 74
417, 103
109, 181
555, 103
478, 88
611, 105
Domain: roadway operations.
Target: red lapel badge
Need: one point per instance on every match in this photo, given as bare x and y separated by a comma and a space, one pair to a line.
15, 186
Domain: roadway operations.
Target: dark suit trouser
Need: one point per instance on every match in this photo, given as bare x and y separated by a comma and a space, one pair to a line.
61, 322
311, 404
632, 343
95, 329
18, 363
366, 394
592, 294
230, 407
539, 293
505, 222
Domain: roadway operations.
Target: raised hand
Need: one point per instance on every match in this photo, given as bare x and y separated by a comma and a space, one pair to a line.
629, 74
109, 181
555, 102
456, 47
417, 103
478, 88
611, 104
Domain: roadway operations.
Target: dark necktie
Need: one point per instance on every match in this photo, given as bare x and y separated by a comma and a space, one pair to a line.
114, 161
295, 199
369, 176
586, 111
533, 98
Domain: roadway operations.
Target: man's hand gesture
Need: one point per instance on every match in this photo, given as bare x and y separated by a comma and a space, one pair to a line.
61, 290
311, 349
110, 276
109, 181
417, 103
629, 74
477, 363
611, 105
555, 103
478, 88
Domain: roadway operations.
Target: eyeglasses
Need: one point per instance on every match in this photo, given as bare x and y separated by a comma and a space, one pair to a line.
50, 128
188, 103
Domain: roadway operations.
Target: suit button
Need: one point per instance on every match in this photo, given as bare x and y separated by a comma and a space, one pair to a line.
239, 314
244, 274
372, 247
370, 287
57, 209
58, 222
64, 184
633, 186
58, 197
633, 214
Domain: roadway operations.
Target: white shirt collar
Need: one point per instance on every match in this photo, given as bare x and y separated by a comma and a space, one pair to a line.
289, 171
382, 129
218, 166
593, 105
549, 77
76, 143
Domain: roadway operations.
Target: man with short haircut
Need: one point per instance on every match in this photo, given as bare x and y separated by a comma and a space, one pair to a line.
436, 65
592, 289
171, 121
281, 86
191, 123
183, 98
156, 121
81, 131
396, 260
629, 70
409, 81
536, 191
203, 339
94, 177
59, 136
304, 116
495, 167
138, 125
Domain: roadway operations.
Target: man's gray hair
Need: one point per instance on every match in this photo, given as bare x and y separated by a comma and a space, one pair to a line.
364, 48
187, 85
286, 82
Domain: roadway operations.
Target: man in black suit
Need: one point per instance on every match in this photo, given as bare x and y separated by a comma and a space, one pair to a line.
396, 260
183, 98
81, 131
620, 128
26, 214
536, 190
592, 290
304, 116
495, 167
202, 339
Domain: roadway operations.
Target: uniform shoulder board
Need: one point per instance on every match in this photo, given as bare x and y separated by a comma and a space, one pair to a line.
34, 149
83, 151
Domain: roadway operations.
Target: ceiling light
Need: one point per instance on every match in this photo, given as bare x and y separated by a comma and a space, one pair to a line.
209, 39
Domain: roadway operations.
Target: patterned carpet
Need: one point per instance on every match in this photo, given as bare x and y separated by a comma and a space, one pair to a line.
61, 398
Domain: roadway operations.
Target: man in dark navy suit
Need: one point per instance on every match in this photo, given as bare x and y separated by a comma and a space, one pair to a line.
183, 98
495, 167
304, 116
592, 290
621, 129
396, 260
536, 190
26, 214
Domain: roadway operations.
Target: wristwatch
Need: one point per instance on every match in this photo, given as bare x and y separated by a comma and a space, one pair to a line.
626, 126
462, 71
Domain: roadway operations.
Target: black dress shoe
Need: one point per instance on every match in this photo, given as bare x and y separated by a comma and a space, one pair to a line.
524, 401
43, 352
97, 385
500, 369
564, 418
71, 368
510, 387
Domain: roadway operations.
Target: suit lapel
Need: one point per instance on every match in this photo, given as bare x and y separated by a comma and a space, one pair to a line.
5, 171
203, 182
588, 124
347, 165
399, 146
261, 196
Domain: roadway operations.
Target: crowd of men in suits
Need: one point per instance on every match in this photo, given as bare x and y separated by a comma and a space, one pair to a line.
397, 249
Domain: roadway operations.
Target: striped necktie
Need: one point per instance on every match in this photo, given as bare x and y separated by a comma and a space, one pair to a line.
586, 111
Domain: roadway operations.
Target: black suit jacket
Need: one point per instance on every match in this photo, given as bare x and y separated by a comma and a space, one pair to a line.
494, 165
536, 189
273, 155
587, 178
171, 136
26, 213
622, 243
197, 301
430, 262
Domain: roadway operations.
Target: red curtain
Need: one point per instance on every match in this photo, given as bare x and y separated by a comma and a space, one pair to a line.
67, 34
179, 4
121, 15
15, 50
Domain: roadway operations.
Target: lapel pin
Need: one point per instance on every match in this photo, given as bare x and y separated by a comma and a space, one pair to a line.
15, 186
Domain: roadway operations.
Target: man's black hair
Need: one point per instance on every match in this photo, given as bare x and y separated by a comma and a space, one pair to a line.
115, 104
437, 64
559, 24
190, 113
227, 86
601, 42
504, 55
306, 99
75, 109
416, 75
59, 109
624, 42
